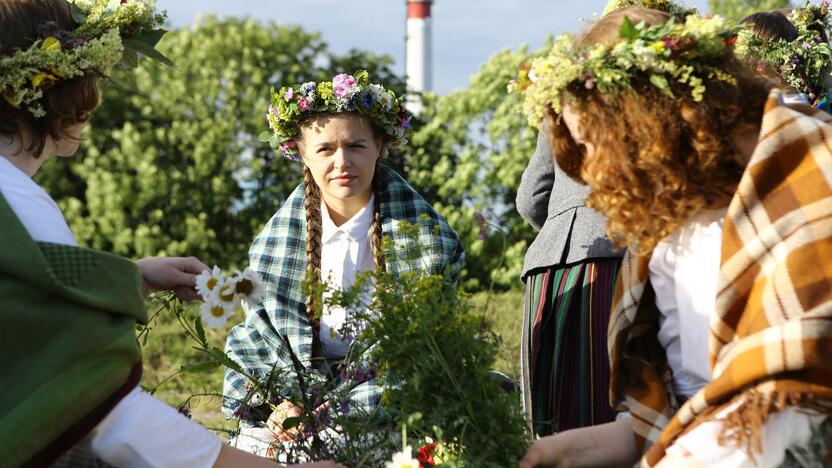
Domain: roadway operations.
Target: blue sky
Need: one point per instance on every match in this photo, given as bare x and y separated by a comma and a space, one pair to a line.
465, 32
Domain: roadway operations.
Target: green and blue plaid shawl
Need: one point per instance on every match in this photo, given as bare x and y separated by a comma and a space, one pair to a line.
278, 255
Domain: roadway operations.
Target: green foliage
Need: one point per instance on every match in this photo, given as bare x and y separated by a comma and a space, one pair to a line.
172, 164
739, 9
469, 154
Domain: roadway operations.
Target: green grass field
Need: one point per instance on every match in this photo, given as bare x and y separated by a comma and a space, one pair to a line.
167, 348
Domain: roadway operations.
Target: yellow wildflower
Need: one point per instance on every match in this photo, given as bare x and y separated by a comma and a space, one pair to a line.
51, 45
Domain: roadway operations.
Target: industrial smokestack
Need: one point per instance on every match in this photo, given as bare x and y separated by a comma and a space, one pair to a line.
418, 54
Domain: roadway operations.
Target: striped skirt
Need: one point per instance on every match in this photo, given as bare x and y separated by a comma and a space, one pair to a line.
565, 364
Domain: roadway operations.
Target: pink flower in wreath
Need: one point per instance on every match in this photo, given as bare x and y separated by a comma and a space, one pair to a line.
303, 104
288, 145
290, 93
342, 83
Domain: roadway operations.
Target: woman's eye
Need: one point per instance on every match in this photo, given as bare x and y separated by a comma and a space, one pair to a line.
357, 146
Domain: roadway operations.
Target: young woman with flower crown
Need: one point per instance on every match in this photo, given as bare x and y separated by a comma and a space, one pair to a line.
721, 325
70, 357
330, 229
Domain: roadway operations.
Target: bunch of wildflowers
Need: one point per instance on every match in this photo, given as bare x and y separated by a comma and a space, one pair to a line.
344, 93
106, 33
805, 63
673, 52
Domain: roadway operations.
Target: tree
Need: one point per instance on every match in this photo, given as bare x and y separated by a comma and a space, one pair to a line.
739, 9
172, 164
469, 156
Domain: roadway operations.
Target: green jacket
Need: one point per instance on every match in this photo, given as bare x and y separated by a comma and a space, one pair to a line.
68, 350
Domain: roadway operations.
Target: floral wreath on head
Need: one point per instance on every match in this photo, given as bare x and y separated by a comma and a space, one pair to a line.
527, 74
670, 7
107, 32
291, 105
804, 63
671, 52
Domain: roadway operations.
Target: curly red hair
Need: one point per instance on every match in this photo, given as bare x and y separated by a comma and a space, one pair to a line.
657, 160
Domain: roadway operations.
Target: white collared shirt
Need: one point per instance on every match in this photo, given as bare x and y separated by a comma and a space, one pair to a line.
345, 252
35, 209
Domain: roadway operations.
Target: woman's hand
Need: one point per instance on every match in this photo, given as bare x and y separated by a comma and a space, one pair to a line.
545, 452
283, 411
610, 444
171, 273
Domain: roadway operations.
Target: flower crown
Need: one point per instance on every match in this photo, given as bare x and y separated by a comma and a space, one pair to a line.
107, 32
668, 6
344, 93
804, 63
526, 74
664, 53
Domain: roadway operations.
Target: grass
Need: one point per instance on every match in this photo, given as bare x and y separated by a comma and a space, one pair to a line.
167, 348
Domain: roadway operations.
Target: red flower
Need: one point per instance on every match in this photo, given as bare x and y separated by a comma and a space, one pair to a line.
730, 42
425, 456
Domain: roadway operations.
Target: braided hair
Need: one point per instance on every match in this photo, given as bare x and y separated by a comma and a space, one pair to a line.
312, 207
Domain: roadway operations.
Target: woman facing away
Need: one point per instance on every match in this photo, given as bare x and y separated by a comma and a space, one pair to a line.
70, 359
329, 229
570, 271
721, 325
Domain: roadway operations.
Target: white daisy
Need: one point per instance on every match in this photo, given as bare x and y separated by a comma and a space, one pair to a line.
215, 314
248, 285
227, 294
208, 283
403, 459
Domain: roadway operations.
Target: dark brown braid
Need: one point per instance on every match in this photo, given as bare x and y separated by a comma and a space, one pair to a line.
312, 207
375, 228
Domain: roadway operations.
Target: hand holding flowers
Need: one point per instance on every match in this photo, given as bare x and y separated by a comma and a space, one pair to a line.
171, 273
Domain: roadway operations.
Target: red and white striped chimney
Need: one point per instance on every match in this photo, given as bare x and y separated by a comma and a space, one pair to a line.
418, 53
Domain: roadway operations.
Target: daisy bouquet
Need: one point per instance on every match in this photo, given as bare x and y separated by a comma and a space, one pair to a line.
222, 294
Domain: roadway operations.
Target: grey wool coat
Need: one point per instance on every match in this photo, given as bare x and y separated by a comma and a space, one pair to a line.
554, 204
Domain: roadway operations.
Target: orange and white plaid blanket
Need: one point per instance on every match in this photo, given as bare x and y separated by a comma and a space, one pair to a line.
770, 339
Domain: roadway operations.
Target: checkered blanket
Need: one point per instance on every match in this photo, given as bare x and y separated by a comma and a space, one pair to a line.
771, 333
278, 254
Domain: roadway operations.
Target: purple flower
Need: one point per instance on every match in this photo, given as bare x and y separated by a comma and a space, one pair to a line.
342, 83
404, 120
307, 88
242, 412
806, 45
290, 93
272, 110
368, 99
824, 4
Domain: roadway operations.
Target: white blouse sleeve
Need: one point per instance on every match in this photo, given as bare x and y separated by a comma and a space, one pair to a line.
141, 431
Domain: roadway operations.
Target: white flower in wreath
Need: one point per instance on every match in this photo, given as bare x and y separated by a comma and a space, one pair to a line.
209, 282
403, 459
215, 314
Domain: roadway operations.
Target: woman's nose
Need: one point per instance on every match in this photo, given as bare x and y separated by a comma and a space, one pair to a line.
341, 158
